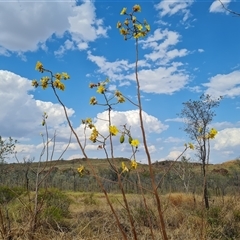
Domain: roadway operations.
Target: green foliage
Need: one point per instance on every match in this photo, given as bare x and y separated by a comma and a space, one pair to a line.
8, 194
56, 204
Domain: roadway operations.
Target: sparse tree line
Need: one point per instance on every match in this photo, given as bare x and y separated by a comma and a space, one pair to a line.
184, 177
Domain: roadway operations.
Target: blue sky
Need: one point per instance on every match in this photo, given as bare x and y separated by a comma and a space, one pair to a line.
192, 48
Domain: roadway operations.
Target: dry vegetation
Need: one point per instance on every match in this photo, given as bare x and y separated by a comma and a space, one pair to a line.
90, 218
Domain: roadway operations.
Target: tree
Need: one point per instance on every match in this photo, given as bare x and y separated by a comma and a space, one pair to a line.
184, 171
6, 148
198, 115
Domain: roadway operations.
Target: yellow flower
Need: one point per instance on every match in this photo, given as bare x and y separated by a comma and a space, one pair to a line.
88, 120
39, 67
138, 35
124, 167
136, 8
93, 101
58, 76
61, 86
57, 84
138, 26
121, 99
212, 133
94, 135
101, 89
119, 25
200, 130
34, 83
123, 31
135, 143
65, 76
126, 22
118, 93
44, 82
124, 10
134, 164
113, 130
191, 146
134, 19
147, 26
80, 169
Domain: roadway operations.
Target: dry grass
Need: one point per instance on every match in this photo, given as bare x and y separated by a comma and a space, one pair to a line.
185, 218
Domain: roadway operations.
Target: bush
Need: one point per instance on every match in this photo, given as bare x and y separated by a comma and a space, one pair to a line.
55, 205
8, 194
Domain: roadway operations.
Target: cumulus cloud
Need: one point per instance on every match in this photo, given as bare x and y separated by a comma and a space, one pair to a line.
226, 85
227, 138
162, 75
21, 114
216, 6
21, 32
160, 43
131, 118
165, 80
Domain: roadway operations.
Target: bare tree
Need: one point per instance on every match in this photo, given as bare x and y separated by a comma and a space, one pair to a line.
198, 115
184, 171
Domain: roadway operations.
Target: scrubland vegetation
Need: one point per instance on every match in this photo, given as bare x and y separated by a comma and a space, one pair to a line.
73, 207
119, 198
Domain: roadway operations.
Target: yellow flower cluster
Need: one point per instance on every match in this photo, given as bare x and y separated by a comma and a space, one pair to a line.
119, 97
212, 133
189, 145
94, 135
81, 170
46, 81
133, 165
131, 27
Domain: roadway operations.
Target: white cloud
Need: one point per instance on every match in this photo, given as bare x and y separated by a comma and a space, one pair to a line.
21, 114
200, 50
226, 85
84, 25
173, 140
166, 80
227, 139
131, 118
161, 51
4, 52
26, 26
170, 8
181, 120
222, 125
216, 6
173, 155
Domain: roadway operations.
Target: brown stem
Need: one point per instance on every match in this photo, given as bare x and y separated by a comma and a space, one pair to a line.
154, 186
90, 165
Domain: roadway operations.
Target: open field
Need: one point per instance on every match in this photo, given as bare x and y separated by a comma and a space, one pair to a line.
90, 218
72, 206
